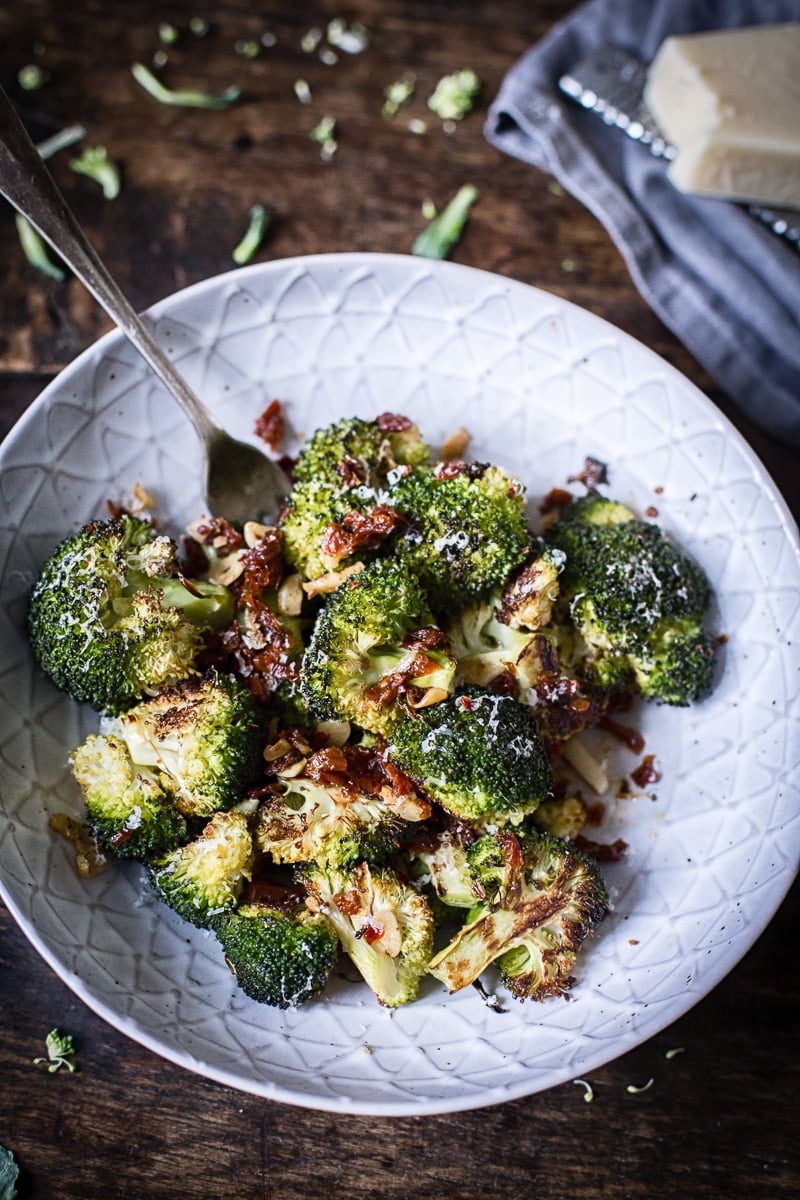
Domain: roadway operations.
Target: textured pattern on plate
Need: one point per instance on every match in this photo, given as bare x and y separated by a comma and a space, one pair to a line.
540, 384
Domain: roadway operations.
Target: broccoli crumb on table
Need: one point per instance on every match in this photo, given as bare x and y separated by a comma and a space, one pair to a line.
338, 733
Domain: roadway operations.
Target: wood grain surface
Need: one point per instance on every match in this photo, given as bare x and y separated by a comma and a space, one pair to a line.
719, 1120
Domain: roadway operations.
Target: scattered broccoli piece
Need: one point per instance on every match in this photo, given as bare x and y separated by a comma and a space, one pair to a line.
636, 600
131, 811
383, 924
373, 642
60, 1049
465, 530
206, 736
478, 754
443, 232
110, 619
356, 453
279, 957
542, 898
204, 879
455, 94
564, 816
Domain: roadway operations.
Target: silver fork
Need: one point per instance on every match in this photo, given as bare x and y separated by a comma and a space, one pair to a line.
240, 482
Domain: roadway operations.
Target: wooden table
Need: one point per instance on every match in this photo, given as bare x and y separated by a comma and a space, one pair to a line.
719, 1120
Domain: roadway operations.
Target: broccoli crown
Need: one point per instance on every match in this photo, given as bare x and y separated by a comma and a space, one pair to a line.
130, 810
109, 619
465, 530
360, 452
372, 642
383, 924
311, 823
281, 958
206, 736
443, 864
542, 898
636, 600
480, 755
487, 650
203, 880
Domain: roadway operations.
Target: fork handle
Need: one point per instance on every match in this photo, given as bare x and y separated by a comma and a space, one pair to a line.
30, 188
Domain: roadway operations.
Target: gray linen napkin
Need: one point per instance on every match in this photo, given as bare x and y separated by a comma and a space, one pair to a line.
724, 284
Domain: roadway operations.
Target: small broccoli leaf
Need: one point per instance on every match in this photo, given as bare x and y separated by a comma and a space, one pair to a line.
444, 231
9, 1173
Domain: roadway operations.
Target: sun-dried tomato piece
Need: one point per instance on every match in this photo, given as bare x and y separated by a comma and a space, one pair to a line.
219, 533
351, 471
556, 498
392, 423
271, 425
359, 531
263, 567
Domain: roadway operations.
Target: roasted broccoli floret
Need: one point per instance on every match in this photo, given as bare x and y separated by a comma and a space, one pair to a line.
357, 453
637, 602
541, 898
489, 652
204, 879
339, 510
480, 755
280, 956
130, 809
308, 822
527, 600
441, 864
111, 619
383, 924
373, 643
465, 529
204, 738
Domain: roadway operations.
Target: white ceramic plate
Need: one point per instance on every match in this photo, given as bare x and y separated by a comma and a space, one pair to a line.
540, 384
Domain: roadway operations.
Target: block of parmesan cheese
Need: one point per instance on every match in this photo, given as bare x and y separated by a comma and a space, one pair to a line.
730, 104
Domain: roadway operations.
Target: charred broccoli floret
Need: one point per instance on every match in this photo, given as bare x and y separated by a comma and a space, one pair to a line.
355, 452
281, 957
383, 924
637, 602
480, 755
374, 642
130, 809
541, 898
203, 737
341, 825
441, 864
111, 619
203, 880
465, 529
527, 600
339, 510
488, 651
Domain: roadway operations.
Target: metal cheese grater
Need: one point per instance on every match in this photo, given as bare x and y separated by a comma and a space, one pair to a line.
610, 82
